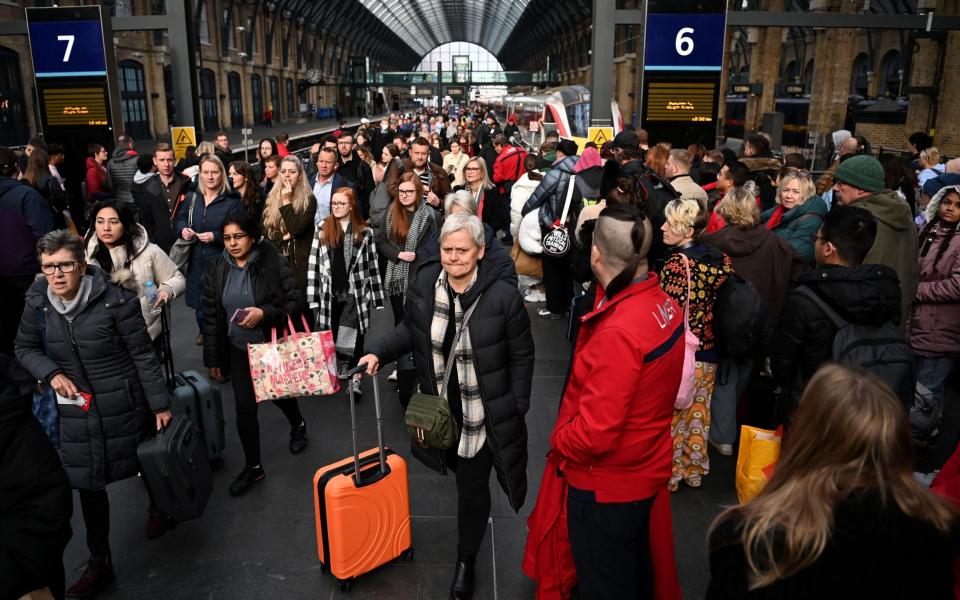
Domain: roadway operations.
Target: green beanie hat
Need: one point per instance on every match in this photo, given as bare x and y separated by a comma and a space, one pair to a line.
862, 171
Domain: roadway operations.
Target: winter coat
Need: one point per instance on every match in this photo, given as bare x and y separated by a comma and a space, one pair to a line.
503, 355
120, 170
550, 195
301, 228
439, 182
106, 351
799, 224
803, 338
156, 214
35, 498
764, 171
762, 258
508, 167
873, 550
896, 243
360, 175
495, 253
24, 218
934, 327
205, 218
454, 164
275, 292
149, 263
363, 278
521, 191
54, 196
96, 178
688, 188
613, 429
427, 250
493, 207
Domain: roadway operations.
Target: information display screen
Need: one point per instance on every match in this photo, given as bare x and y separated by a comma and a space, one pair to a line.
76, 107
66, 41
680, 101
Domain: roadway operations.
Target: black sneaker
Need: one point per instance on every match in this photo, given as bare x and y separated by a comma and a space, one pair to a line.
97, 575
245, 480
298, 439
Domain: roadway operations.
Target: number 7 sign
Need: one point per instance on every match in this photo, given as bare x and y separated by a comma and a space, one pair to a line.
65, 42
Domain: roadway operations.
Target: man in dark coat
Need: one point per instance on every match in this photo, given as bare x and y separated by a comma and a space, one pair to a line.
864, 294
35, 499
158, 197
353, 169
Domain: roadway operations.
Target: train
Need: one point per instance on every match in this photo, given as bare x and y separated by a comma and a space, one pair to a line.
565, 110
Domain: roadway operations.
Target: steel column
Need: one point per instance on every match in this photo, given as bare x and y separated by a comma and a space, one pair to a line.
601, 58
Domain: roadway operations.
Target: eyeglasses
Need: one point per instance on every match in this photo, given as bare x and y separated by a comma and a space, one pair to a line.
237, 236
64, 267
406, 192
817, 236
471, 168
339, 204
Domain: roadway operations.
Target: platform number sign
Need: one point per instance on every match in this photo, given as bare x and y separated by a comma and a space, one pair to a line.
66, 42
683, 58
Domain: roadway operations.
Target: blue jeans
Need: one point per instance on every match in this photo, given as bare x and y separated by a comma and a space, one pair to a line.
932, 373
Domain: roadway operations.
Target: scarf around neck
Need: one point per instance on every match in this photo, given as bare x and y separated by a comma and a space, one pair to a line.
398, 271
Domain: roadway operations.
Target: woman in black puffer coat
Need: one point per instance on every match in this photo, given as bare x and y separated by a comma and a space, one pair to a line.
501, 347
82, 335
250, 276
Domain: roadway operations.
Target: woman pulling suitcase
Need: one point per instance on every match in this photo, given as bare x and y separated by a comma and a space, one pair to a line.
249, 290
488, 390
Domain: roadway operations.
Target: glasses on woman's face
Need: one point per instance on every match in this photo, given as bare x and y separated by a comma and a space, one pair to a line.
64, 267
406, 192
471, 168
339, 204
235, 237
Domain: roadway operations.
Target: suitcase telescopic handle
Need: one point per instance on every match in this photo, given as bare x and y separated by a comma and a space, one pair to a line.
347, 376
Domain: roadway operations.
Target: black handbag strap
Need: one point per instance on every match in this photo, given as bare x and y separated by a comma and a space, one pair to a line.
452, 359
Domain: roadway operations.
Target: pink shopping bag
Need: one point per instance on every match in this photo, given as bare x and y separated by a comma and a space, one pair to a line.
301, 364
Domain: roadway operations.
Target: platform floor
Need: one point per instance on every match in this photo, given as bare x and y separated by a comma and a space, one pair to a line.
263, 545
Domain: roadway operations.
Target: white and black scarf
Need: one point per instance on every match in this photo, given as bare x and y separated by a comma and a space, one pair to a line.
398, 271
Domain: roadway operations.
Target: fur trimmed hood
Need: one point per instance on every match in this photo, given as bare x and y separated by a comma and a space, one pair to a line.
762, 164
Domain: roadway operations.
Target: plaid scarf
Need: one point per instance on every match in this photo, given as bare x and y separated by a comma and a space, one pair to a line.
398, 271
473, 435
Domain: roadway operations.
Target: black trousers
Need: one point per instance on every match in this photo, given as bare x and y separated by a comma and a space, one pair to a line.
12, 291
96, 518
344, 361
406, 373
473, 499
558, 281
248, 426
611, 547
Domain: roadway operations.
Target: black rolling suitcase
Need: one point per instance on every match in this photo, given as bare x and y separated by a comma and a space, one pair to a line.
175, 466
195, 398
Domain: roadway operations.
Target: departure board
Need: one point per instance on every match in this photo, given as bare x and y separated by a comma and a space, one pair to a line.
76, 107
680, 101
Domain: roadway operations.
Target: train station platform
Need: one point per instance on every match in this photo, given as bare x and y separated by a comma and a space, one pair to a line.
263, 546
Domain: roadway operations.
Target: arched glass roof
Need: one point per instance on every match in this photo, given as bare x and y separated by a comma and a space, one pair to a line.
480, 58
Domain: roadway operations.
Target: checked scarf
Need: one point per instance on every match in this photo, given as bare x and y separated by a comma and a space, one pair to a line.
473, 435
398, 271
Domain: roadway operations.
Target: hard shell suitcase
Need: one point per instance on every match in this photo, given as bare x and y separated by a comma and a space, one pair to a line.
175, 467
195, 398
362, 522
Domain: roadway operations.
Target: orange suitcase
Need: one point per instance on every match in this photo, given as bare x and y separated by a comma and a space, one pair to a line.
362, 523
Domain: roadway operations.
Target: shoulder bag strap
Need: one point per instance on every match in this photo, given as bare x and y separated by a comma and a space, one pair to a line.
566, 202
452, 359
831, 314
193, 204
686, 305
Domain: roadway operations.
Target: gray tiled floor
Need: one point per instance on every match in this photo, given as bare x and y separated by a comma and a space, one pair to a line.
263, 545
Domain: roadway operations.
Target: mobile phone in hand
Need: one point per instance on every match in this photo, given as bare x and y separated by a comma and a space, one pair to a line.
239, 315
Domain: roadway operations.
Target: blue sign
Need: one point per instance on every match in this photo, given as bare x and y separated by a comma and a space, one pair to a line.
67, 49
684, 42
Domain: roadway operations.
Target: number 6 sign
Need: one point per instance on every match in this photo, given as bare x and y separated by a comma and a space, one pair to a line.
684, 42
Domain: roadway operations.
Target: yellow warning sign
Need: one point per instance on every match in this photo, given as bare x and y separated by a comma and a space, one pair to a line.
182, 137
599, 135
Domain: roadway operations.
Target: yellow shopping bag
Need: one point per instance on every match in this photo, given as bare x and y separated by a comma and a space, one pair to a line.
758, 454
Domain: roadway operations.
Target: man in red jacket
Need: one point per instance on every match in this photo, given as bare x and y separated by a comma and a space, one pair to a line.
613, 431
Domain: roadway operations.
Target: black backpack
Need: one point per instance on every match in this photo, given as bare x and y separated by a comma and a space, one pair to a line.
655, 193
880, 349
740, 323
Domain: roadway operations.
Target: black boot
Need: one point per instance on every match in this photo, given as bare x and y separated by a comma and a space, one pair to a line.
97, 575
462, 588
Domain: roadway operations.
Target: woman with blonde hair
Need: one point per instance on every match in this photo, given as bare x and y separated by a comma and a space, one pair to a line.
798, 214
343, 282
288, 218
692, 275
842, 515
492, 208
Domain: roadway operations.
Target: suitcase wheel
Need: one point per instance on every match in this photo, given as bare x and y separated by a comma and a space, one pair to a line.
407, 555
216, 464
345, 585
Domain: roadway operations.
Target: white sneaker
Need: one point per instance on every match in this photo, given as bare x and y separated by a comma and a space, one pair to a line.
535, 296
393, 376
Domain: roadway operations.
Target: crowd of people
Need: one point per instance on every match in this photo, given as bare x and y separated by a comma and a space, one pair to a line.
722, 280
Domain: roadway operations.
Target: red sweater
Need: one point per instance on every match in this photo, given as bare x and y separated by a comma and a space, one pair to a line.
613, 430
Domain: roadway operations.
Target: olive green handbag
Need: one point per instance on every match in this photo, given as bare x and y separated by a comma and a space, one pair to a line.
428, 418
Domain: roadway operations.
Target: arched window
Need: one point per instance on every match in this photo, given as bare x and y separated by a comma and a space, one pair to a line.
168, 92
256, 96
859, 82
13, 112
808, 78
133, 100
289, 92
208, 100
890, 74
236, 99
275, 99
791, 72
